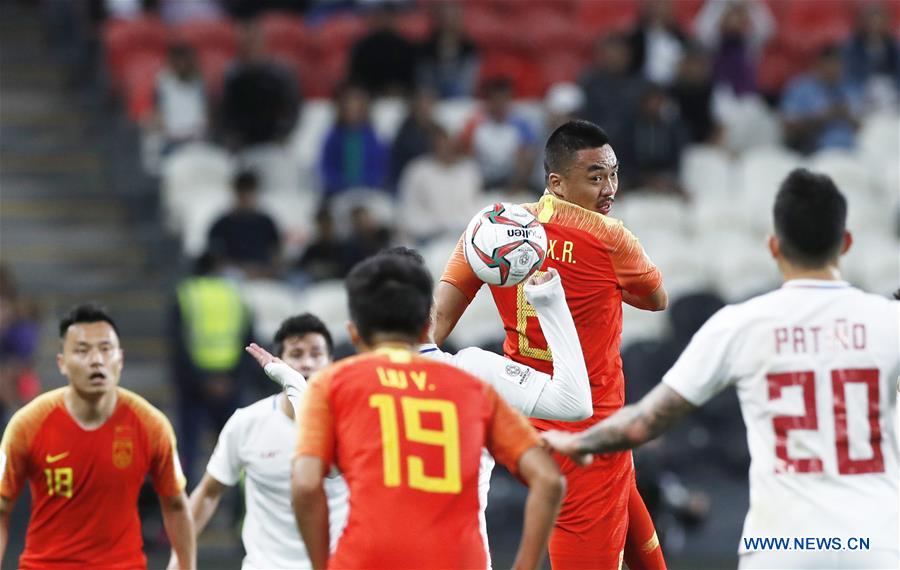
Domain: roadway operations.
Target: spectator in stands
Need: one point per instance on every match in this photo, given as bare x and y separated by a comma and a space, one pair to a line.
735, 32
368, 236
353, 156
820, 109
872, 55
655, 143
448, 61
246, 238
246, 10
438, 191
326, 256
260, 99
656, 43
383, 62
563, 102
181, 113
412, 139
611, 90
502, 142
209, 326
692, 91
19, 336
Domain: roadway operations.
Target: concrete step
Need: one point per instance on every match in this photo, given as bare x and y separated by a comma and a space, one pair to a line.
66, 210
75, 163
14, 187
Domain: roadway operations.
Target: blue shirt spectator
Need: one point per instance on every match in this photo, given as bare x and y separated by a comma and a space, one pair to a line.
872, 51
820, 110
353, 156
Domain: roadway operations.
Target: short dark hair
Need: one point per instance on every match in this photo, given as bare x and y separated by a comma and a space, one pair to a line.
300, 325
245, 181
85, 313
810, 216
569, 138
389, 294
406, 252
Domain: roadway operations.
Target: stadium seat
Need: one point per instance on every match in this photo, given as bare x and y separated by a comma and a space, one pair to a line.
559, 66
707, 173
436, 253
513, 66
873, 262
777, 66
309, 135
414, 25
192, 170
489, 29
879, 147
276, 166
543, 29
284, 34
379, 204
270, 302
747, 123
205, 206
124, 39
480, 324
638, 325
388, 114
328, 301
808, 26
452, 114
213, 65
740, 265
338, 33
677, 257
322, 73
847, 171
139, 83
760, 173
608, 15
652, 212
209, 35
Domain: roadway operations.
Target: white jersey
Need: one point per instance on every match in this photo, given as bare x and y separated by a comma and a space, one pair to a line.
815, 365
564, 396
260, 440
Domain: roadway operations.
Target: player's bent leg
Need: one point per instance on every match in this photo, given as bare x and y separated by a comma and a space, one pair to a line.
642, 548
592, 523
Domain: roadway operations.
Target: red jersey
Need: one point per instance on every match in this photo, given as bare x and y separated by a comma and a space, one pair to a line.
597, 258
85, 484
407, 433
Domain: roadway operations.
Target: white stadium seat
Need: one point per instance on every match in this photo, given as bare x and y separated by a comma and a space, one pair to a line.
452, 114
740, 265
271, 302
206, 207
643, 325
328, 301
388, 114
707, 173
760, 173
308, 137
645, 212
190, 176
276, 166
378, 203
847, 171
480, 323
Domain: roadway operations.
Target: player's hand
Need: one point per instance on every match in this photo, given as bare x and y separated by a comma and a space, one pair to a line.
262, 356
566, 443
541, 277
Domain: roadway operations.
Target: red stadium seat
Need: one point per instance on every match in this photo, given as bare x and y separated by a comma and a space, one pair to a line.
560, 66
414, 25
320, 77
541, 29
608, 15
339, 33
213, 65
139, 84
685, 11
489, 30
123, 39
283, 34
777, 65
524, 76
218, 36
808, 26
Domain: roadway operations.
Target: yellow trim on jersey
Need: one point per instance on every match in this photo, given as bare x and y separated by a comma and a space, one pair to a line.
651, 544
546, 204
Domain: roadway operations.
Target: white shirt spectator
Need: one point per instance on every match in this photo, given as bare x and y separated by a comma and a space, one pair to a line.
181, 106
438, 197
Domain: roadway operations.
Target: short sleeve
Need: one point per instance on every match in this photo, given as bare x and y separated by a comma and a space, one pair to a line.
459, 274
165, 468
13, 459
634, 270
315, 421
509, 435
225, 463
702, 370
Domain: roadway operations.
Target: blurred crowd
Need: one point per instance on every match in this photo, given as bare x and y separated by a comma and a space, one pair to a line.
242, 75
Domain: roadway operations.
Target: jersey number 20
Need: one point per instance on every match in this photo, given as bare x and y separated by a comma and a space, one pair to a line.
868, 377
447, 438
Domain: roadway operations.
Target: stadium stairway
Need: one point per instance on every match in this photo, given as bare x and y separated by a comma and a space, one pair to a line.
72, 207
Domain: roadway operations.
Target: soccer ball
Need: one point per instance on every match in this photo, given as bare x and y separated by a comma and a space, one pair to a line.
505, 244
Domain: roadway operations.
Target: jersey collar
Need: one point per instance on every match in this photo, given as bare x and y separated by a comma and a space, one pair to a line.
814, 284
428, 347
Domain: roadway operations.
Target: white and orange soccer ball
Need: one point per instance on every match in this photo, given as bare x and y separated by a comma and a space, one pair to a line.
505, 244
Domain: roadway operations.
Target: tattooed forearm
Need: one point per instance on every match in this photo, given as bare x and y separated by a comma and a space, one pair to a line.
636, 424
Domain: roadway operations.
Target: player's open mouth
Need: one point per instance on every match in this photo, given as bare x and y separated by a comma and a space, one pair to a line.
604, 205
97, 376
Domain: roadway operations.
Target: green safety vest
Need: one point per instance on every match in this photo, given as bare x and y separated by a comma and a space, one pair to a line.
214, 321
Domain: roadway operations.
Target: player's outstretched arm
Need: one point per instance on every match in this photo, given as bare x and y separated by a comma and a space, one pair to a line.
546, 488
279, 372
567, 396
655, 301
629, 427
180, 529
450, 303
311, 507
6, 507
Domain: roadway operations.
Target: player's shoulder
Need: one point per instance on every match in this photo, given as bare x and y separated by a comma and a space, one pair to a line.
29, 418
147, 414
551, 209
260, 409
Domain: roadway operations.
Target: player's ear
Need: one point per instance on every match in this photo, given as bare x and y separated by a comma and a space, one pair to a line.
774, 247
848, 242
554, 184
425, 333
61, 363
355, 338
